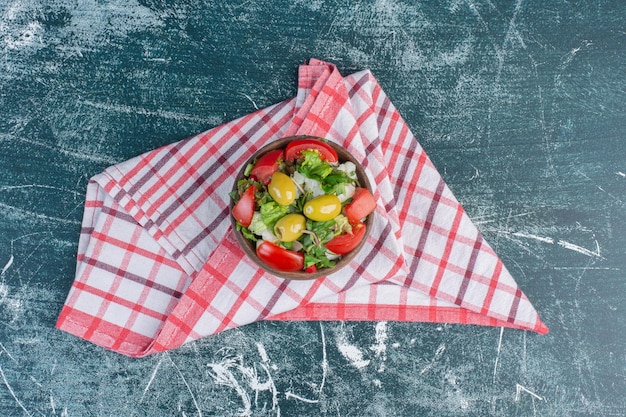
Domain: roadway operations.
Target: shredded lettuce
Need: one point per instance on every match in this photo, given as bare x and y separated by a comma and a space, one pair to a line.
246, 232
248, 169
313, 166
323, 230
271, 212
342, 225
318, 258
257, 226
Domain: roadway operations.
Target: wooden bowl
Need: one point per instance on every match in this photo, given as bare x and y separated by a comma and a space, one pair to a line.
249, 247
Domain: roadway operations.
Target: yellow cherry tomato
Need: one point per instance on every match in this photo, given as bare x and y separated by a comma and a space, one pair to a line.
289, 227
322, 208
282, 189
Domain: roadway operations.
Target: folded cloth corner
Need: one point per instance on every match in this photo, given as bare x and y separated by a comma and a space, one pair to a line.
158, 265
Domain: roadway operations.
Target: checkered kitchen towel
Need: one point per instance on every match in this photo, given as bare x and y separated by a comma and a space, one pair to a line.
158, 265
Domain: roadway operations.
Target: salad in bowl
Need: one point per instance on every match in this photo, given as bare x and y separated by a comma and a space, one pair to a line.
302, 207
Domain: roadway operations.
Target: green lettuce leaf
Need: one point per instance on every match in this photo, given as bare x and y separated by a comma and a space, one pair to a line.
313, 166
257, 226
271, 212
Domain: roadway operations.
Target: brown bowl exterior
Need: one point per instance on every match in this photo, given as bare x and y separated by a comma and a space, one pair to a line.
249, 247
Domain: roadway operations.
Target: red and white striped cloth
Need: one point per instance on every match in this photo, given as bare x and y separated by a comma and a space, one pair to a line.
158, 265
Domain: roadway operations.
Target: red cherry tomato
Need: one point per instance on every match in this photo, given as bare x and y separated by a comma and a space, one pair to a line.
244, 209
266, 165
362, 204
280, 258
346, 242
293, 149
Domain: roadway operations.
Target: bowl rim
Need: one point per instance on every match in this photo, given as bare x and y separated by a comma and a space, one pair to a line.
249, 247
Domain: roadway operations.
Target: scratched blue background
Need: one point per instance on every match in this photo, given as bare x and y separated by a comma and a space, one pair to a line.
520, 105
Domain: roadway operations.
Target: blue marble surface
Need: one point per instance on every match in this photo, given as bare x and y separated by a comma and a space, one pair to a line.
519, 104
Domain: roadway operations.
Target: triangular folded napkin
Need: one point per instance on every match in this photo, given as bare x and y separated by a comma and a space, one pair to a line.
158, 265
